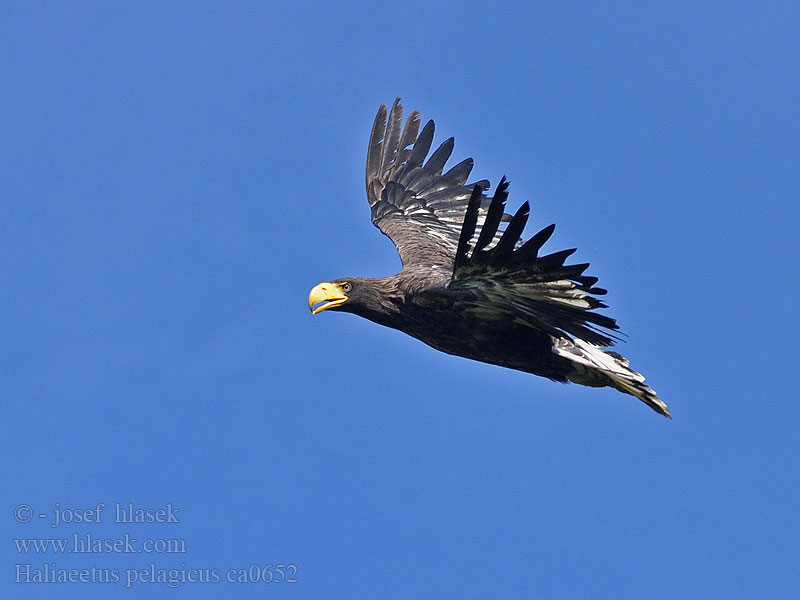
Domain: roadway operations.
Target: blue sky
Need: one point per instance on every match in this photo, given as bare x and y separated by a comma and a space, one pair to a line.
175, 179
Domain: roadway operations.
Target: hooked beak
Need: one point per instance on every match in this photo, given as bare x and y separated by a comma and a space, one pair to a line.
330, 294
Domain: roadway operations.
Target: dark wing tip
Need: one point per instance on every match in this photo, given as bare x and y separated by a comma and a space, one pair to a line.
512, 234
530, 249
493, 216
468, 227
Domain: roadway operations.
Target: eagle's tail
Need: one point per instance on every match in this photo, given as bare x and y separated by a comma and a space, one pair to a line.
599, 368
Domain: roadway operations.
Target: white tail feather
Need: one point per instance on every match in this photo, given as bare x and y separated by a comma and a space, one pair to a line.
596, 367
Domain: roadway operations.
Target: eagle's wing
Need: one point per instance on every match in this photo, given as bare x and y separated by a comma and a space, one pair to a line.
540, 291
412, 201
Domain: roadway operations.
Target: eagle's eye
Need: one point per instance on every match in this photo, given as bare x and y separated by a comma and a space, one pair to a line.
346, 287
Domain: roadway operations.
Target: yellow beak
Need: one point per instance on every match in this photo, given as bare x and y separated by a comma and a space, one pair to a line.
329, 293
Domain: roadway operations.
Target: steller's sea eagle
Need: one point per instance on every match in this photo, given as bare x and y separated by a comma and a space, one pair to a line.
469, 287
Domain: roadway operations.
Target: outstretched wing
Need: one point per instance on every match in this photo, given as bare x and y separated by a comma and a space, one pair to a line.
420, 208
540, 291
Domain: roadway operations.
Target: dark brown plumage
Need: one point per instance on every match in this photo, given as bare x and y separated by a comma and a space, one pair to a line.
469, 286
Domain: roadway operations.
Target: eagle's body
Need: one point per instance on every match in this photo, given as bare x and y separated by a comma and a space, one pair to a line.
469, 287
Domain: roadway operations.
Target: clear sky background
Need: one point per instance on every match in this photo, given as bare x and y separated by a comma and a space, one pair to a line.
175, 179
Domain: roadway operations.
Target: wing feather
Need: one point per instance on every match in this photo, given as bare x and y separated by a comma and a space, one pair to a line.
493, 216
468, 228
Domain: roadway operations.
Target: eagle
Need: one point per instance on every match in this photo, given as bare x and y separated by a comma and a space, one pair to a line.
470, 286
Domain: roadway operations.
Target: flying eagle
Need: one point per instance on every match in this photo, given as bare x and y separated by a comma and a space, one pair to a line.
470, 287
